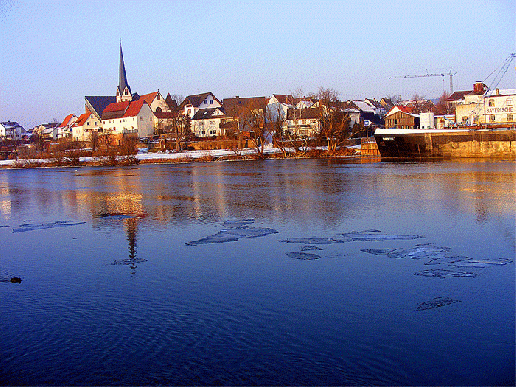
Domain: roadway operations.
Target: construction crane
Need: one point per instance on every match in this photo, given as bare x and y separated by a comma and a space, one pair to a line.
450, 74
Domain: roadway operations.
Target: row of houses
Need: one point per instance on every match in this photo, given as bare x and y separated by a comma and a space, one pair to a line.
478, 107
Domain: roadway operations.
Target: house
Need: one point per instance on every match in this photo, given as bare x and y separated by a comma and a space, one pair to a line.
156, 102
401, 117
193, 103
47, 131
86, 124
207, 122
11, 130
499, 107
303, 122
65, 128
128, 117
278, 105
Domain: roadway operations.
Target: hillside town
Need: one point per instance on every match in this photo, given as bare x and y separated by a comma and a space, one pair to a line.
155, 122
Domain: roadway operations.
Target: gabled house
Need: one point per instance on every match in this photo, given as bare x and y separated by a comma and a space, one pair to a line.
65, 128
128, 117
401, 117
86, 124
193, 103
303, 122
207, 122
156, 102
10, 130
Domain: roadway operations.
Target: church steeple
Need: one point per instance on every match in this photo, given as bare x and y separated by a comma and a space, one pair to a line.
123, 92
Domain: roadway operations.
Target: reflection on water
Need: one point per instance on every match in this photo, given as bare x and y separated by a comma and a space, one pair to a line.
258, 273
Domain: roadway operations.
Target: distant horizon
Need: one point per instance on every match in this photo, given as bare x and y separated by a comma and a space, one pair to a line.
58, 52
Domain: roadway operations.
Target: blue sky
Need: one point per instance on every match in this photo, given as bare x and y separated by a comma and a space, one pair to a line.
53, 53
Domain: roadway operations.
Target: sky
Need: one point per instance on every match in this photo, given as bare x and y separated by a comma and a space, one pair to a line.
53, 53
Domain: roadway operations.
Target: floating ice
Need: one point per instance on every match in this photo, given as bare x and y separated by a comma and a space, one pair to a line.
436, 302
220, 237
444, 273
310, 241
303, 256
482, 263
421, 251
374, 236
310, 247
42, 226
233, 231
238, 223
250, 232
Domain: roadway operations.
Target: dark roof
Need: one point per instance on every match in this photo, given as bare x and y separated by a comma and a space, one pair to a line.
196, 99
458, 95
303, 114
204, 114
98, 103
285, 98
234, 106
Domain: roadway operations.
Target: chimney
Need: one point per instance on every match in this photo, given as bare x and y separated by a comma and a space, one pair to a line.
497, 91
478, 87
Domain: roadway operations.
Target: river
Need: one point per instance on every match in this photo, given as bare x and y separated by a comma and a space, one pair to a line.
276, 272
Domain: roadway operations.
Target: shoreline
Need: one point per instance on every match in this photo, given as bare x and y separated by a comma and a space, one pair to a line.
217, 155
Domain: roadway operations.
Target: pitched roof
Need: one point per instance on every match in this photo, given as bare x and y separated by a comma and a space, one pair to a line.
458, 95
82, 119
149, 97
203, 114
196, 99
134, 108
284, 98
98, 103
233, 106
400, 108
303, 114
66, 121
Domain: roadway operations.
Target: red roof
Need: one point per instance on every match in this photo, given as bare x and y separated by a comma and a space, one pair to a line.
116, 106
134, 108
82, 119
149, 97
66, 120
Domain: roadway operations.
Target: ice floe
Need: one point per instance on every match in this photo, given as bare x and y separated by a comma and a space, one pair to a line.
375, 236
303, 256
43, 226
233, 231
444, 273
310, 241
436, 302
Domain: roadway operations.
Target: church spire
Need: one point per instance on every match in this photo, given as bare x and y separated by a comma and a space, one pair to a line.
124, 90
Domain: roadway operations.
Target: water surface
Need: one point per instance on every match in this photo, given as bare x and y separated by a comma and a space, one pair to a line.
293, 272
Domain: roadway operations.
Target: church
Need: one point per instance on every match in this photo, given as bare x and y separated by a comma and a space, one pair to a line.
125, 114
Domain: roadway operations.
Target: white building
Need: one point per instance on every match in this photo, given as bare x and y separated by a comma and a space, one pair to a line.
193, 103
11, 130
128, 117
206, 122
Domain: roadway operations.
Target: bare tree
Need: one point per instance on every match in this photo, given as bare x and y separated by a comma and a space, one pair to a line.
334, 122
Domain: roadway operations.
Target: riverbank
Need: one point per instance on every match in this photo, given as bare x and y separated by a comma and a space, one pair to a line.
176, 157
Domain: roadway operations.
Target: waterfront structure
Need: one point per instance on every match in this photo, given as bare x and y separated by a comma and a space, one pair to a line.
401, 117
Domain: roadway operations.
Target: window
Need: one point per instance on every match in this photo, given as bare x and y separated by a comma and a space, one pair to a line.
510, 117
491, 102
492, 118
